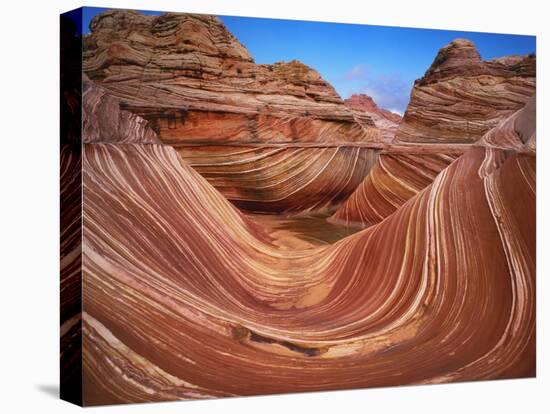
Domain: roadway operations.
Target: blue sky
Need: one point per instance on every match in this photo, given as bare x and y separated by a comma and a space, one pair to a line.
378, 60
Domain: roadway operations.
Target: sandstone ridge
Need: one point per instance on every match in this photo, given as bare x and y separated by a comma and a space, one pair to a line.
461, 96
195, 82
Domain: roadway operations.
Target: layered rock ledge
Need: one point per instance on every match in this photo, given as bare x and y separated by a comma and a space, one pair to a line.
195, 82
461, 96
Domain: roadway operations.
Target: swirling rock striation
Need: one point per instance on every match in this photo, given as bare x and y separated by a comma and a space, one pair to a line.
186, 79
517, 132
282, 179
70, 253
104, 120
188, 301
386, 121
194, 81
186, 297
401, 172
461, 97
263, 178
394, 179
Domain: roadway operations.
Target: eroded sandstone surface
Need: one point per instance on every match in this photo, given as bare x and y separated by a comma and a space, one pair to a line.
190, 294
186, 296
195, 82
461, 96
385, 120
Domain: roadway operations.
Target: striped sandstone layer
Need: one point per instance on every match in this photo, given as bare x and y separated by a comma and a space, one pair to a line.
70, 249
104, 120
272, 138
265, 178
189, 300
394, 179
518, 132
400, 172
461, 97
195, 82
282, 178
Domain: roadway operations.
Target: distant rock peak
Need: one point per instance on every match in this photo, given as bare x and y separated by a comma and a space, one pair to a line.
181, 32
456, 57
383, 119
459, 50
362, 101
461, 58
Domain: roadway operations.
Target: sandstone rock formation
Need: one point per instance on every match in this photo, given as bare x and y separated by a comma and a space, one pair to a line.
401, 172
282, 179
458, 101
184, 296
229, 314
517, 132
193, 81
461, 97
104, 120
197, 87
386, 121
394, 179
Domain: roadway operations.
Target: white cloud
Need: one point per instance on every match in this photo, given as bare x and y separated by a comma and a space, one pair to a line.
358, 72
397, 111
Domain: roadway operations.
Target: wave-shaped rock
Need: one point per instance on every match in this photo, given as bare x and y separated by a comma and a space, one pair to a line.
401, 172
282, 179
386, 121
188, 302
185, 296
461, 97
194, 81
517, 132
394, 179
103, 119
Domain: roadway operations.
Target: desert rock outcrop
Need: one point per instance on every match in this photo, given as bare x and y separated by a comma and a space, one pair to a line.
401, 172
232, 315
186, 296
461, 97
386, 121
104, 120
193, 81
